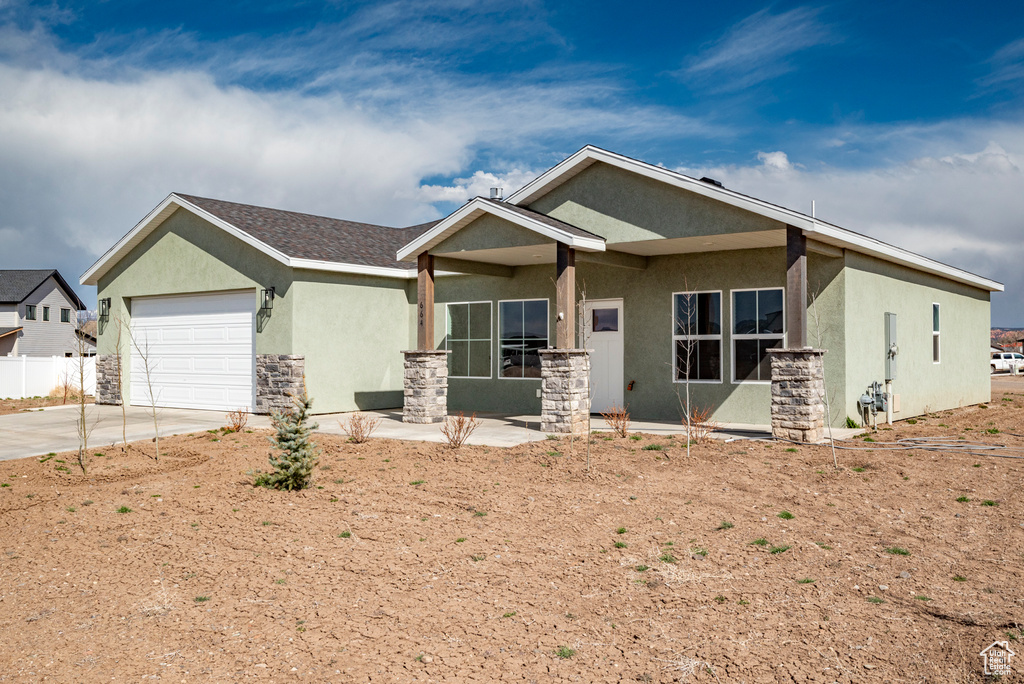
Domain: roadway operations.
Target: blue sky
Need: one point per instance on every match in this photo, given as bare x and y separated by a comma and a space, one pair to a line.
901, 120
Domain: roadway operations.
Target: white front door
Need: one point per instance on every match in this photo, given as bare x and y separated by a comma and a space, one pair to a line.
601, 330
199, 350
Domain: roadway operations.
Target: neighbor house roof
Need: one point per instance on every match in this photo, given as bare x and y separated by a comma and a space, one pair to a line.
814, 228
16, 285
297, 240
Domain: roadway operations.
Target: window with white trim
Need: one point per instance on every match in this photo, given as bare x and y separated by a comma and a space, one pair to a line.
46, 313
758, 324
30, 312
522, 332
468, 338
697, 336
935, 333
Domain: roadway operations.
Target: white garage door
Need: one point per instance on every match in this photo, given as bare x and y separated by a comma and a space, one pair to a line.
199, 350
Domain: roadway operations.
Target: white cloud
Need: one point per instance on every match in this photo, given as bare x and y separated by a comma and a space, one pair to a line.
964, 207
477, 185
757, 49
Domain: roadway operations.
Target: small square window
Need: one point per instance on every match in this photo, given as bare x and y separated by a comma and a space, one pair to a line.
30, 312
46, 313
605, 320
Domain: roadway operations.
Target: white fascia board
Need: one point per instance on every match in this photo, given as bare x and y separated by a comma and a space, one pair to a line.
887, 252
847, 239
153, 221
445, 228
356, 269
163, 211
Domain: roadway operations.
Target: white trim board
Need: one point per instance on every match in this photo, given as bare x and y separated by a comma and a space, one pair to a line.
173, 202
477, 207
812, 227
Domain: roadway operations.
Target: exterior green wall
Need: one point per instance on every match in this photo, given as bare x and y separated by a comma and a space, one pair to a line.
962, 376
188, 255
489, 232
647, 328
624, 207
352, 330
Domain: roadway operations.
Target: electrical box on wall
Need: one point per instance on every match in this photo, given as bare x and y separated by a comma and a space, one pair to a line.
891, 348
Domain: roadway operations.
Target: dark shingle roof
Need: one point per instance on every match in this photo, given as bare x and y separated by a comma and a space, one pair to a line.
303, 236
15, 285
7, 331
545, 219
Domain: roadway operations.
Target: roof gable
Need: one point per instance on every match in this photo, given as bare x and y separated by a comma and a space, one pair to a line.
297, 240
542, 225
819, 230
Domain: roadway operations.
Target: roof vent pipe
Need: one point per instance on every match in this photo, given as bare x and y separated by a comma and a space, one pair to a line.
711, 181
496, 193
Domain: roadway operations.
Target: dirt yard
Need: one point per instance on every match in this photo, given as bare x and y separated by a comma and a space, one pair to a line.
747, 562
32, 403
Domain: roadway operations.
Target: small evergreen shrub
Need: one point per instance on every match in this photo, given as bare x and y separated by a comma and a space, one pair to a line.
293, 469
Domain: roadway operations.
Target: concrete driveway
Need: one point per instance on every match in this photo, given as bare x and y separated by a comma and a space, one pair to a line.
35, 433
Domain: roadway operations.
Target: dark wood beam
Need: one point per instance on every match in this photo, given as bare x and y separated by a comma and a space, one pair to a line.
613, 258
471, 267
565, 291
796, 287
425, 301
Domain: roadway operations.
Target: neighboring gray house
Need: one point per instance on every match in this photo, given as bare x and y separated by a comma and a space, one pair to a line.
39, 314
237, 302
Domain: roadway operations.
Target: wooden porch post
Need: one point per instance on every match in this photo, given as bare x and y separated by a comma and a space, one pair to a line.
565, 294
796, 288
425, 302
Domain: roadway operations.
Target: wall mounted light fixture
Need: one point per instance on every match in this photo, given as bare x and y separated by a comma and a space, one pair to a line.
105, 308
267, 298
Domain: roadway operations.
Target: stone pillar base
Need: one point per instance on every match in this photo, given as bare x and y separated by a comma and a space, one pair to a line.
565, 391
426, 386
798, 394
279, 379
107, 390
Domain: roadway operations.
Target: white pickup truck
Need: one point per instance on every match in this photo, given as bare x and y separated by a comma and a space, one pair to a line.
1005, 361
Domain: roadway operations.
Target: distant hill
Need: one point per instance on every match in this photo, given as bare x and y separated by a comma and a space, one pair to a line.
1006, 336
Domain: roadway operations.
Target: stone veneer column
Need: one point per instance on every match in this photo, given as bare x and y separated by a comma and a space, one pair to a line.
426, 386
279, 379
107, 390
565, 390
798, 394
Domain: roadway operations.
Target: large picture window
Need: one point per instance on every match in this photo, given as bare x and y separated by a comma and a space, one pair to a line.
468, 338
758, 322
523, 330
697, 336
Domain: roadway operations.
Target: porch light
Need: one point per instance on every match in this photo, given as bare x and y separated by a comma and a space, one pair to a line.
267, 298
105, 308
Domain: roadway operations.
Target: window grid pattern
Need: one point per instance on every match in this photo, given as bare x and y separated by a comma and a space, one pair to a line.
697, 336
758, 325
468, 338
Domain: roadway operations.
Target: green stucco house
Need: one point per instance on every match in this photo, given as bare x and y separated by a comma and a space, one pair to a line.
666, 278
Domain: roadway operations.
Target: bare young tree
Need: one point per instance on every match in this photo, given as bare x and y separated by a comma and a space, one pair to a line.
143, 351
819, 334
686, 327
119, 352
84, 427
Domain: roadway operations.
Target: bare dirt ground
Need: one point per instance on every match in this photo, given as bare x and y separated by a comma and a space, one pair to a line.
19, 405
411, 562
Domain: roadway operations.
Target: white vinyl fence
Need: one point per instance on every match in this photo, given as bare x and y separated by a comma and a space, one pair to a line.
37, 376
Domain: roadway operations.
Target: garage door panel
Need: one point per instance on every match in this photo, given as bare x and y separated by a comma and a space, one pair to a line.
200, 350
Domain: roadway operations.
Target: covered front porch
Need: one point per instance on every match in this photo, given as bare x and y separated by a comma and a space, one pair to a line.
546, 318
